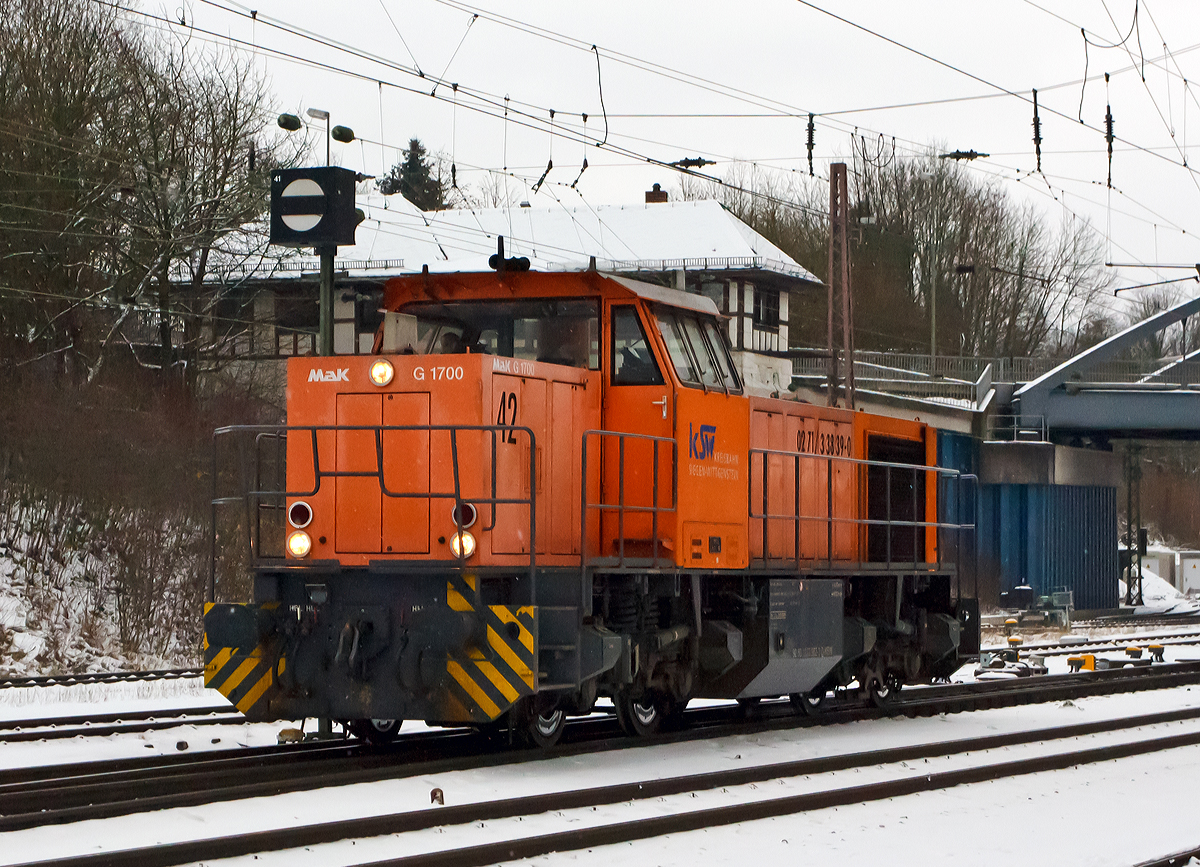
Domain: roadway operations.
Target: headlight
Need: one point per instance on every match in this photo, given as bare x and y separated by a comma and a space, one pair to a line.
465, 517
382, 372
462, 545
299, 515
299, 544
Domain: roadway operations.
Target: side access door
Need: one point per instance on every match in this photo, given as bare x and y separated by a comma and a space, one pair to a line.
638, 483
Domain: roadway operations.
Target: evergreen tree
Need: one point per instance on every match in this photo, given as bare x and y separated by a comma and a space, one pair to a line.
416, 178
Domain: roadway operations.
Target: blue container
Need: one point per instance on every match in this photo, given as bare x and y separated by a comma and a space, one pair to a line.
958, 504
1050, 537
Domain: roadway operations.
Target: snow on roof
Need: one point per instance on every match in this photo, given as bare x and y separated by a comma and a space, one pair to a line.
399, 238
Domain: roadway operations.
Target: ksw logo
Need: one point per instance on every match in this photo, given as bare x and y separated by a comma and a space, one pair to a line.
702, 443
342, 375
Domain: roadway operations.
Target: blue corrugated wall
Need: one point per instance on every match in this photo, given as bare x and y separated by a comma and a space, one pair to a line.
957, 504
1051, 537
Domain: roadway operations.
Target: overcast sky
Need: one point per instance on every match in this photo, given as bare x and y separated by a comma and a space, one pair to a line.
776, 59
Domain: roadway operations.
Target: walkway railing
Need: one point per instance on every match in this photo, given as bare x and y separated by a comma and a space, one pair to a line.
957, 377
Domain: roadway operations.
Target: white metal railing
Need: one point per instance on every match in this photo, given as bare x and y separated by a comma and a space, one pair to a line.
955, 376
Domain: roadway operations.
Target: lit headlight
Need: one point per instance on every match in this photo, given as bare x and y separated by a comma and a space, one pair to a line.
462, 544
299, 544
382, 372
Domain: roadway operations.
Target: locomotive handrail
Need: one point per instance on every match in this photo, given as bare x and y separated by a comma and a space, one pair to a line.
621, 507
830, 519
252, 495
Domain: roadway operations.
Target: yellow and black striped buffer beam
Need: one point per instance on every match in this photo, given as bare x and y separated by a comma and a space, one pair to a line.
247, 676
486, 677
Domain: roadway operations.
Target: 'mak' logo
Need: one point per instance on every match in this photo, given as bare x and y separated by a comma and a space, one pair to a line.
342, 375
702, 443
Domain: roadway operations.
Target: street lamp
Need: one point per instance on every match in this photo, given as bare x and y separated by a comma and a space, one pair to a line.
321, 114
344, 134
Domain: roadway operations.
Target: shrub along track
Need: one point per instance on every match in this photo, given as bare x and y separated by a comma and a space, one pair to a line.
89, 790
677, 822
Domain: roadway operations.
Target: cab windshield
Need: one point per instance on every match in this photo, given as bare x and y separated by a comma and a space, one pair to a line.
551, 330
698, 350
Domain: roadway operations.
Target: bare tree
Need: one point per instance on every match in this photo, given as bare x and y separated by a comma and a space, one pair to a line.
927, 232
199, 176
59, 86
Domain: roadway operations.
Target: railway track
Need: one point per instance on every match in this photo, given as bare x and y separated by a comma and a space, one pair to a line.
596, 832
1113, 644
124, 722
1179, 859
1139, 620
99, 677
682, 820
94, 790
1077, 642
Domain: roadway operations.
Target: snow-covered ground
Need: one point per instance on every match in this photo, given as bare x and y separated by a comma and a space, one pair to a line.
1057, 818
1062, 817
1159, 597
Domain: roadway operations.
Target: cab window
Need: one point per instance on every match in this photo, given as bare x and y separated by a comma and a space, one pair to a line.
632, 361
672, 335
698, 350
721, 355
705, 363
555, 331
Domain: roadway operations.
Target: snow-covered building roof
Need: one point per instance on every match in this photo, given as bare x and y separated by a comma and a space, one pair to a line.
399, 238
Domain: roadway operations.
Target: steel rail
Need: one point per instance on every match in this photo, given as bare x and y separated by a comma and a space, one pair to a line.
1118, 647
117, 716
1178, 859
33, 797
100, 725
1140, 639
1138, 620
84, 678
397, 823
643, 829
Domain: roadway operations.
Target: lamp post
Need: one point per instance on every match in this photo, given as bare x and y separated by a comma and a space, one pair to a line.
321, 114
967, 268
344, 134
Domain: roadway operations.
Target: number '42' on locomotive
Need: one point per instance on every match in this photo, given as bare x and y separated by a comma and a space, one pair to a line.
543, 488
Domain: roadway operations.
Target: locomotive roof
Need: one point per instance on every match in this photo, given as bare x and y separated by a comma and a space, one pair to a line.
478, 285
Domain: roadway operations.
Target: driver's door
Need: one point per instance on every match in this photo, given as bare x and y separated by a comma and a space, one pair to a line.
639, 403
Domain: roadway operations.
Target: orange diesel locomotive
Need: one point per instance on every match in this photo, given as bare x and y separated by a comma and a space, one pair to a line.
542, 488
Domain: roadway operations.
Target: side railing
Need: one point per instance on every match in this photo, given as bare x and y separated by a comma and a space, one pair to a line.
658, 448
260, 479
798, 468
1006, 427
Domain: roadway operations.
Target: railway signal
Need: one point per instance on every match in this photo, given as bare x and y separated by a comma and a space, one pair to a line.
314, 207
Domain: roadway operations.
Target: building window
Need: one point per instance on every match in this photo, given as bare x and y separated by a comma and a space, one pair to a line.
716, 292
766, 309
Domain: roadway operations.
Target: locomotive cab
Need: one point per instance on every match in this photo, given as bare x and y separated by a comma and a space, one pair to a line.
541, 488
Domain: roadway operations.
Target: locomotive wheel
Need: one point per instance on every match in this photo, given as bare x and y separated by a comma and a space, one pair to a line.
642, 716
808, 703
375, 731
545, 729
881, 689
